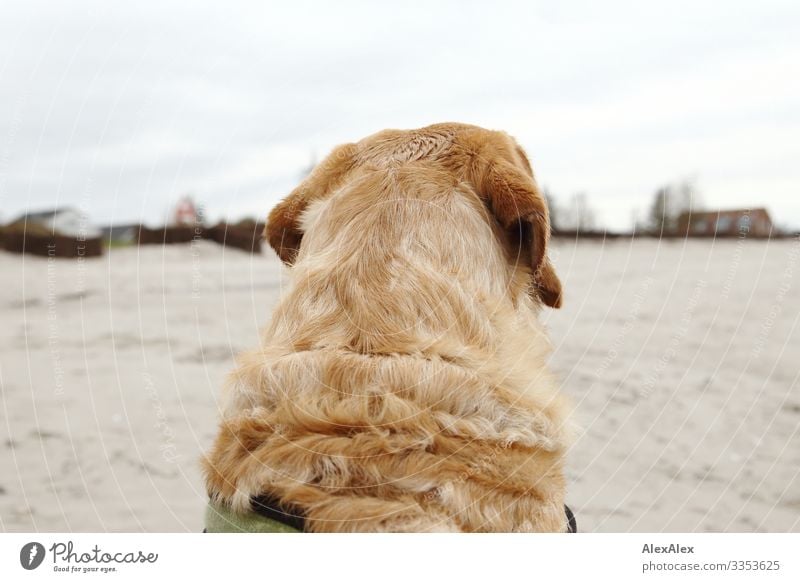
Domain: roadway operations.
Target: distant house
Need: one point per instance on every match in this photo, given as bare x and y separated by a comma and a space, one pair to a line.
185, 213
124, 234
754, 222
55, 233
65, 221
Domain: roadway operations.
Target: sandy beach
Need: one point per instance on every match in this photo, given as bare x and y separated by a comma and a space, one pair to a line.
682, 359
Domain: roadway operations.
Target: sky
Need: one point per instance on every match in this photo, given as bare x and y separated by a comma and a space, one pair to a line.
120, 108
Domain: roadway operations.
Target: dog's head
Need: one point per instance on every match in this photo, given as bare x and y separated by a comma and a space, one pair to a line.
490, 162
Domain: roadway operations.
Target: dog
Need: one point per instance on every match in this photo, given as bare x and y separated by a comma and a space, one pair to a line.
402, 385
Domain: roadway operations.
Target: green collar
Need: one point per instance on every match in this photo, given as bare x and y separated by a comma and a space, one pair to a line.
220, 519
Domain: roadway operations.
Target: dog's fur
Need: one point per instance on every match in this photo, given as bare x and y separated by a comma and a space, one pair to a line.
401, 385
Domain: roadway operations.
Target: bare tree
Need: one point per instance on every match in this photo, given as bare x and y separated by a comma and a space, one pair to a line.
553, 210
660, 217
669, 203
579, 216
689, 198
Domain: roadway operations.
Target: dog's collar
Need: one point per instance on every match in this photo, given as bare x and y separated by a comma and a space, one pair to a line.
572, 524
271, 508
220, 518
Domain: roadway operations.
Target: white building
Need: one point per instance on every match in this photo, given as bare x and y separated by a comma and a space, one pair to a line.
66, 221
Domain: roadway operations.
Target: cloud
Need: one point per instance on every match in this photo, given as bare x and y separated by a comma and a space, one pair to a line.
126, 107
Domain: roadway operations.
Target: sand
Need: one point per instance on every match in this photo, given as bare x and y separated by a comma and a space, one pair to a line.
682, 359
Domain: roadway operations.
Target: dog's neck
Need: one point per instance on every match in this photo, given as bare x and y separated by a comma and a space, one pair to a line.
421, 311
424, 274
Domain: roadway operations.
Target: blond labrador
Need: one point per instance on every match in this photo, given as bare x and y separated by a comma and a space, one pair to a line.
401, 384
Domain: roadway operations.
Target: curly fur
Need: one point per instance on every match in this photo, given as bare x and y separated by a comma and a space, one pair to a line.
402, 382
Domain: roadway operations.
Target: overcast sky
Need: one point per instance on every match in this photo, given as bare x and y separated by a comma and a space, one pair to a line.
120, 107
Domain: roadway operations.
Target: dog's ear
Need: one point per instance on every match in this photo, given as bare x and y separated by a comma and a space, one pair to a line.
513, 196
283, 230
